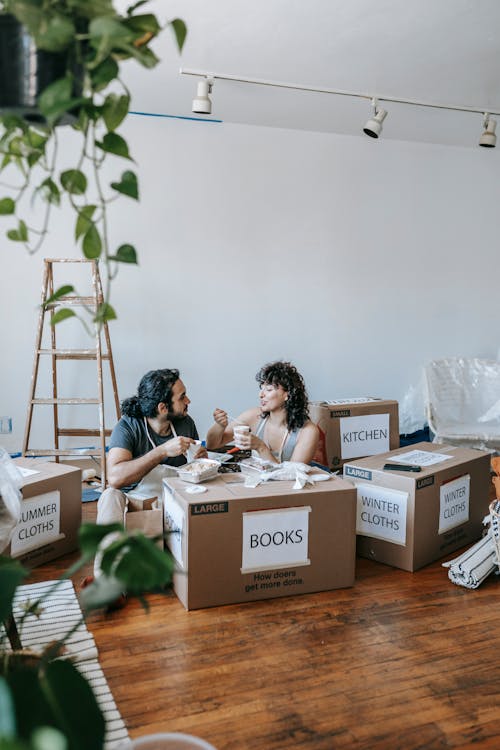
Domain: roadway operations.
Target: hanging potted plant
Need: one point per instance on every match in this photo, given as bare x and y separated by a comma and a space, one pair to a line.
60, 63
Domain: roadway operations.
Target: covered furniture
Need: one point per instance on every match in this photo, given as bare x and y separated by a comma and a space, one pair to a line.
463, 401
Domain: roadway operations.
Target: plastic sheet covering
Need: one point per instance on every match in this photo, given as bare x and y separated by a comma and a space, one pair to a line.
463, 402
412, 409
11, 481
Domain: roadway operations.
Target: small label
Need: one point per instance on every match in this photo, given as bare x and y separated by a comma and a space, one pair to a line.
425, 482
204, 509
340, 413
354, 471
454, 503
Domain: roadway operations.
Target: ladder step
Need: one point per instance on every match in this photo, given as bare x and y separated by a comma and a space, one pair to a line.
65, 401
74, 301
81, 432
73, 353
33, 452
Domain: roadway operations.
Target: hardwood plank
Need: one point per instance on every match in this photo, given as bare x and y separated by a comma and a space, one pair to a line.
401, 660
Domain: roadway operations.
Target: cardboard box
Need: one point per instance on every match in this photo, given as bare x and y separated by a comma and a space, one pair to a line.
354, 428
145, 516
235, 544
411, 519
51, 512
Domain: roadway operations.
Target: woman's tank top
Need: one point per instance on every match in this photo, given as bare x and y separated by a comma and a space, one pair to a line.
287, 446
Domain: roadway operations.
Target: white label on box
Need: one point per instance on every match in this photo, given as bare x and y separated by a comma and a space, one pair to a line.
175, 524
359, 400
26, 472
276, 538
39, 523
364, 436
381, 513
420, 458
454, 503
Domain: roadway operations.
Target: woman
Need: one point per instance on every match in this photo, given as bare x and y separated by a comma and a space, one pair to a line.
280, 428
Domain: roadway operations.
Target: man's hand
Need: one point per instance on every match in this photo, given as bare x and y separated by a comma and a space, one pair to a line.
220, 417
201, 453
177, 446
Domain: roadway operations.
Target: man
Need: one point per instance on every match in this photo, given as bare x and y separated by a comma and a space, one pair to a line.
154, 431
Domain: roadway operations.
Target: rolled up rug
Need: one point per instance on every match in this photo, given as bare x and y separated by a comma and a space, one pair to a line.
474, 565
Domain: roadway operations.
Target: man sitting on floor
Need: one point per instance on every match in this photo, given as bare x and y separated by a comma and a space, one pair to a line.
154, 431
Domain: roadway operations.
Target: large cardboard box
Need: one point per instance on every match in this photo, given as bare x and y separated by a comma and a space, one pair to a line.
354, 428
408, 519
51, 512
236, 544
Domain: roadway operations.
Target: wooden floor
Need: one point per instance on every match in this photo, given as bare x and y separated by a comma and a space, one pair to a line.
401, 660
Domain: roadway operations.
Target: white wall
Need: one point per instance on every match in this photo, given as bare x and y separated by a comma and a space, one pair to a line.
358, 260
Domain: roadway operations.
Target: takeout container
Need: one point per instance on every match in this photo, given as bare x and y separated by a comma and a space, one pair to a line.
198, 471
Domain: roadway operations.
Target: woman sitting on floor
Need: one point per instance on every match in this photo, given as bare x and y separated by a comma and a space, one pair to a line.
280, 428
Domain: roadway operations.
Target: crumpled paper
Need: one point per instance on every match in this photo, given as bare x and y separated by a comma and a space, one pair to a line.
288, 470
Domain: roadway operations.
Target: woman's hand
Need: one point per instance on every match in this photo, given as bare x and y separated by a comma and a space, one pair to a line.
201, 453
221, 418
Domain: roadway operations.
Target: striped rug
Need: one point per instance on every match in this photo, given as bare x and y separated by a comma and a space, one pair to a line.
61, 611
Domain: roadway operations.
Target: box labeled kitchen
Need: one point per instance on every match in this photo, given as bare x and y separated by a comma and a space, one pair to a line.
234, 543
354, 428
51, 512
431, 502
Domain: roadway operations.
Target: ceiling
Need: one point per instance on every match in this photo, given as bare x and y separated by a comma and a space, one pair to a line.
436, 51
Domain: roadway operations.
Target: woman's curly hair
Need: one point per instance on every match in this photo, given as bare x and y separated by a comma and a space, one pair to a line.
289, 378
155, 387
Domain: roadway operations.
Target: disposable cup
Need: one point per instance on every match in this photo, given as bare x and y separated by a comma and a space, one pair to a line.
239, 430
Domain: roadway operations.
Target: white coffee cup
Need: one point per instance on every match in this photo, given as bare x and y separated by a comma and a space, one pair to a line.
239, 430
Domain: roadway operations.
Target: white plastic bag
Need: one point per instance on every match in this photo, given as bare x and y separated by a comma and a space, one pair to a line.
11, 481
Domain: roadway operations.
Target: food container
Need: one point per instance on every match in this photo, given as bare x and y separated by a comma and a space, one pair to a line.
198, 471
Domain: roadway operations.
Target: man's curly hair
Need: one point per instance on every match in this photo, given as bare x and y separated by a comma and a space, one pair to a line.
289, 378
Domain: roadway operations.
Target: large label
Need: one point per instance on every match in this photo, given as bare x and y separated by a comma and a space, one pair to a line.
364, 436
381, 513
277, 538
39, 523
454, 503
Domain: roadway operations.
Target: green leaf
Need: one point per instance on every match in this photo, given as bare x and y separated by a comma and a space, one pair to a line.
63, 291
50, 192
180, 31
7, 713
125, 254
138, 563
63, 314
83, 223
90, 535
55, 33
92, 244
74, 181
56, 99
145, 24
113, 143
48, 738
106, 34
104, 313
104, 73
11, 575
20, 234
127, 185
114, 110
7, 206
73, 705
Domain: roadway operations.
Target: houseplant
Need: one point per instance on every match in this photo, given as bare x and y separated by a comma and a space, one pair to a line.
45, 703
82, 45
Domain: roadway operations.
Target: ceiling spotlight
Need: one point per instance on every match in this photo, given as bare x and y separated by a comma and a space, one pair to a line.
373, 127
488, 138
202, 104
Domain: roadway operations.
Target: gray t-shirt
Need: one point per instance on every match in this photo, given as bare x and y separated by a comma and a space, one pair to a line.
130, 433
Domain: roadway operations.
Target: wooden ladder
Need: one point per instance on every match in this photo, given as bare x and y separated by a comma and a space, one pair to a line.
96, 353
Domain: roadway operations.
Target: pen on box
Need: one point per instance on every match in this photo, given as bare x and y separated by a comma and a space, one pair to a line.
402, 467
